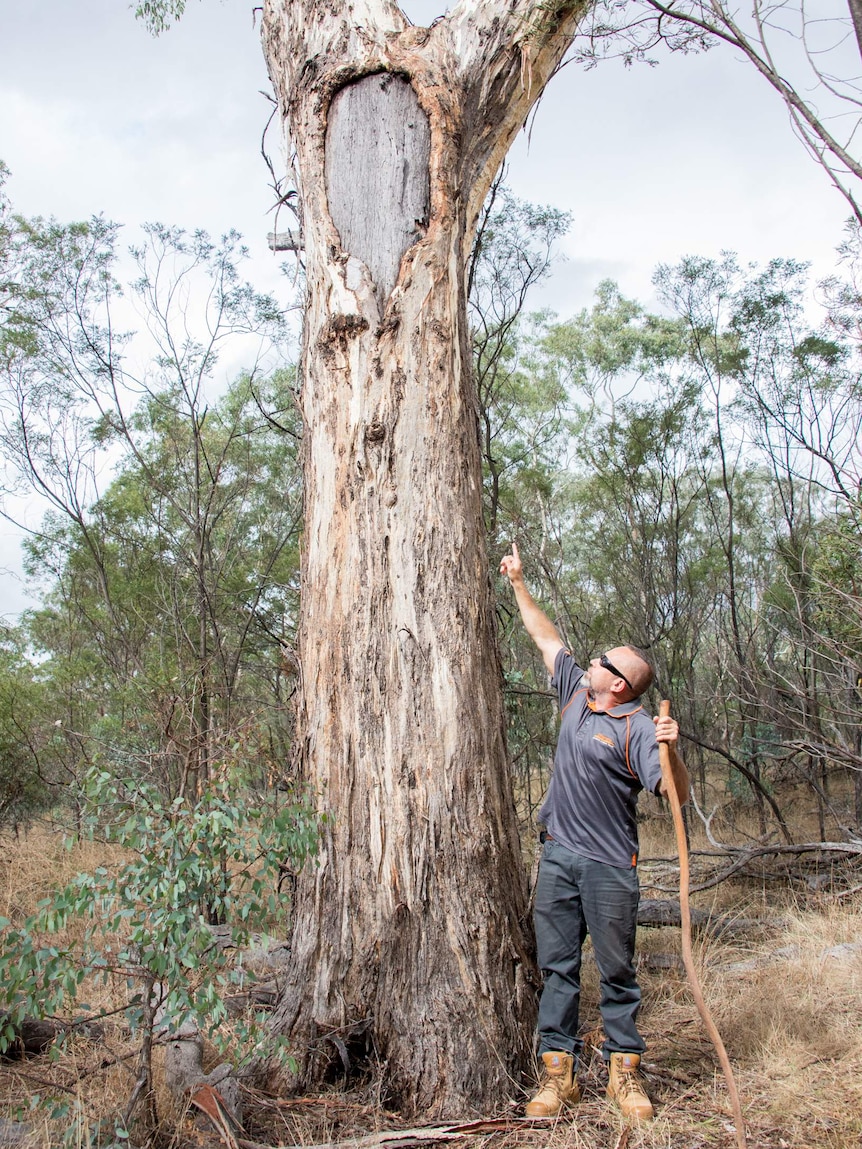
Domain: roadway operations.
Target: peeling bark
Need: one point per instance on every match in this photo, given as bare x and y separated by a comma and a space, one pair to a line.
412, 927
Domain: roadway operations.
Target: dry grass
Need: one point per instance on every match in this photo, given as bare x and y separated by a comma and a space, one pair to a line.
38, 862
788, 1003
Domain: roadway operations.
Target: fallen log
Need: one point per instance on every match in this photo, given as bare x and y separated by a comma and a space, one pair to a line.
666, 912
259, 997
34, 1036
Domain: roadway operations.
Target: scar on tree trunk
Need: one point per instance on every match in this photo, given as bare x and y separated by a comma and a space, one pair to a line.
378, 143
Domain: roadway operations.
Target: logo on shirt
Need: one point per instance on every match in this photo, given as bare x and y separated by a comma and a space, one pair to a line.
604, 738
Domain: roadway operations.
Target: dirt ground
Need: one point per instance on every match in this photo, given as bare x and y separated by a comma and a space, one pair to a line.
786, 996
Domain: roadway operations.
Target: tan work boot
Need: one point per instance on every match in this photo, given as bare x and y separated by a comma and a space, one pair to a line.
558, 1087
626, 1088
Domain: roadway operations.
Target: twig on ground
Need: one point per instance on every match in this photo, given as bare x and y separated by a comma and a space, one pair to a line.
404, 1138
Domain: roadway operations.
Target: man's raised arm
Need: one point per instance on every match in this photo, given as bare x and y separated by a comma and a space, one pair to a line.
537, 624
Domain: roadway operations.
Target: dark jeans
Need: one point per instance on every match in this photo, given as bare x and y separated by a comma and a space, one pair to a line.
576, 896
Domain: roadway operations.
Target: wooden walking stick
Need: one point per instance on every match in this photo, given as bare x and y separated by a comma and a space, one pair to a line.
685, 918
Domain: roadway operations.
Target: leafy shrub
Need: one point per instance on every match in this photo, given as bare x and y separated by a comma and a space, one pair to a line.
145, 925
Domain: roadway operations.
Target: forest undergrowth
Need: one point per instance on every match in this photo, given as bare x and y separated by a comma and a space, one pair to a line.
785, 991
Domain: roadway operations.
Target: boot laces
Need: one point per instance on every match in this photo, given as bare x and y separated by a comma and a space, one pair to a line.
554, 1082
629, 1082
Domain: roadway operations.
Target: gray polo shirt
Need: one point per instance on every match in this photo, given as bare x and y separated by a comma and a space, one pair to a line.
603, 761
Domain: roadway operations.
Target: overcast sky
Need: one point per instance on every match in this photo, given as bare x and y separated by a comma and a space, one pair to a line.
695, 156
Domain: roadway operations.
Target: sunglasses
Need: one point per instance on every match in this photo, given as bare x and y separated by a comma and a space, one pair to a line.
608, 665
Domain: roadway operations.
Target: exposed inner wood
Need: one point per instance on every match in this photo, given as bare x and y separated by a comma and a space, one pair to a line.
378, 143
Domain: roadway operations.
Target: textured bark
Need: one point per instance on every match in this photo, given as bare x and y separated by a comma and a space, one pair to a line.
412, 928
855, 7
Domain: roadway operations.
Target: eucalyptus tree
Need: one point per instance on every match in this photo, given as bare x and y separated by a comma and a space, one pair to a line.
785, 399
802, 393
159, 577
395, 133
26, 759
514, 250
410, 931
655, 526
639, 562
165, 644
699, 293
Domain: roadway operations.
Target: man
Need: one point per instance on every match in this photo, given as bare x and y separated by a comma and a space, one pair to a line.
607, 752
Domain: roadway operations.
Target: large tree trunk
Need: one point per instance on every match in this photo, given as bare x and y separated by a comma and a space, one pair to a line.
412, 926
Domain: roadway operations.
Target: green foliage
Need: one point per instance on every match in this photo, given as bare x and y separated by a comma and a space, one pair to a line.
170, 595
150, 687
514, 250
158, 15
145, 922
694, 490
173, 546
24, 791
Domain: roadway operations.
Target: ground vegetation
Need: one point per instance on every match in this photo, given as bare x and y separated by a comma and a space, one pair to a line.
686, 479
394, 135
